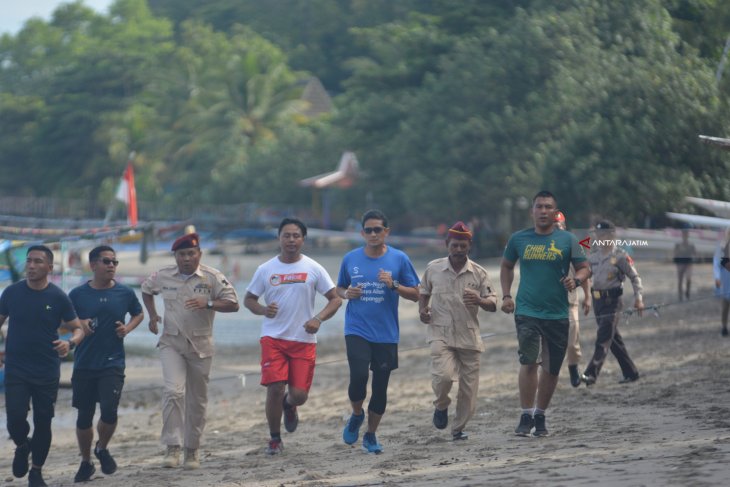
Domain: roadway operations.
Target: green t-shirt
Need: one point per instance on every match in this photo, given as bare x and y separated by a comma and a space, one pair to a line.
544, 260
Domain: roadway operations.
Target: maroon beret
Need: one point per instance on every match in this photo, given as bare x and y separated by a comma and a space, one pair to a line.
459, 231
186, 242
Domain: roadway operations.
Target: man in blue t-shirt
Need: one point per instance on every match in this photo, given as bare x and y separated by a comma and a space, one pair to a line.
98, 374
373, 278
541, 316
33, 351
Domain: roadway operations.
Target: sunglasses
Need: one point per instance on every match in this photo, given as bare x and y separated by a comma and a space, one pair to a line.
107, 261
375, 230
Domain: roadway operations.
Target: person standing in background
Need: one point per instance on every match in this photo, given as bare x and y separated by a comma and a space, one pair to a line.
684, 255
722, 281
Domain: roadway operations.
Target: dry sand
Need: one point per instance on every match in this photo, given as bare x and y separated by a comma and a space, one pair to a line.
672, 427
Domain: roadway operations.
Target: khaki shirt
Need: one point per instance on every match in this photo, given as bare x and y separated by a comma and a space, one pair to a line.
452, 321
610, 270
181, 325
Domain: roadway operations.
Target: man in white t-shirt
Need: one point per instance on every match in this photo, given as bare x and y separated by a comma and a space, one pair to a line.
288, 283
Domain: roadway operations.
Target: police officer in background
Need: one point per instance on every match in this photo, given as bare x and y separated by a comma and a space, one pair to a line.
610, 266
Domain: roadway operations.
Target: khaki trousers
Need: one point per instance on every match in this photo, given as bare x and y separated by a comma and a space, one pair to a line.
573, 352
185, 396
447, 365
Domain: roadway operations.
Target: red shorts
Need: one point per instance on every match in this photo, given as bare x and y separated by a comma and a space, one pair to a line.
287, 361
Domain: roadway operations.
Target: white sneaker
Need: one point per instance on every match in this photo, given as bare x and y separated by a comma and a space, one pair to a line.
172, 457
192, 461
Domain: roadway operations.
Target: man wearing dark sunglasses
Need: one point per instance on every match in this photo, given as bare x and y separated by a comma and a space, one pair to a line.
102, 304
373, 278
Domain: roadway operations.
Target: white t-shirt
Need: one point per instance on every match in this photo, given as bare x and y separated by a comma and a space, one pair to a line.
293, 288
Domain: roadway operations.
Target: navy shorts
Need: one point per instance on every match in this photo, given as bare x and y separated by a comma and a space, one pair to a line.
381, 357
91, 386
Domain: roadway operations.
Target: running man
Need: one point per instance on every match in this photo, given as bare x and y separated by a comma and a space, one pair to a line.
289, 283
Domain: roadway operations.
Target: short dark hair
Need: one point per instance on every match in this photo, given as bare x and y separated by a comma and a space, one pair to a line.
96, 252
544, 194
293, 221
41, 248
374, 215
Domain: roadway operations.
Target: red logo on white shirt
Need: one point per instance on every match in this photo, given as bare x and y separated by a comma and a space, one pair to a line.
296, 278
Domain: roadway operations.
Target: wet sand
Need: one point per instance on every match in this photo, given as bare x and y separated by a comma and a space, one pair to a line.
672, 427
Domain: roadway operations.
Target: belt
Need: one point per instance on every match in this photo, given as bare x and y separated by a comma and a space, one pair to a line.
608, 293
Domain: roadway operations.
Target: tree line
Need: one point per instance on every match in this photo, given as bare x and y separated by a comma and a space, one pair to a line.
455, 109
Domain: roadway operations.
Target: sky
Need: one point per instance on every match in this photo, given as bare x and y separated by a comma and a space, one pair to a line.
16, 12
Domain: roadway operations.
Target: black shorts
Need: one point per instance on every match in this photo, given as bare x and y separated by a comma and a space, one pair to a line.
381, 356
20, 392
536, 334
91, 386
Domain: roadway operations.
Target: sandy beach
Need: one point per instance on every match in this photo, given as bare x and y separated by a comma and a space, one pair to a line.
672, 427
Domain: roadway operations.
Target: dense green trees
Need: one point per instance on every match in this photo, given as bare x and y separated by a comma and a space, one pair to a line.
455, 109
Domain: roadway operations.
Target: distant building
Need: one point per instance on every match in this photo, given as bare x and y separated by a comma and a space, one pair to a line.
318, 100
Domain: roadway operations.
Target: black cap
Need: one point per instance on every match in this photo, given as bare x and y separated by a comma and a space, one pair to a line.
605, 225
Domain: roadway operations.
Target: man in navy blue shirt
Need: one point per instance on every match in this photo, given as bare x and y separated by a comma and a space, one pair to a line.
98, 374
33, 351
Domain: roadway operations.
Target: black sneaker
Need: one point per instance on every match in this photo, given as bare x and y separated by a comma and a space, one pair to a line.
724, 332
540, 429
460, 435
574, 375
525, 426
627, 380
441, 418
35, 478
108, 465
86, 470
588, 380
291, 418
20, 460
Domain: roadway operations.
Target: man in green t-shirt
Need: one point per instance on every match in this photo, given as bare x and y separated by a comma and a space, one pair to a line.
541, 315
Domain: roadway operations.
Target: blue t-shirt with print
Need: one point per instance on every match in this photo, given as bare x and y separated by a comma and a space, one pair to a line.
103, 348
544, 260
34, 318
374, 316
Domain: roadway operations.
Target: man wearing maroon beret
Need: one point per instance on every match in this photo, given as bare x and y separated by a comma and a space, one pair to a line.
192, 293
452, 290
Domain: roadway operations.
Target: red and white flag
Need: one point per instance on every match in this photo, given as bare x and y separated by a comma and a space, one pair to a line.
127, 193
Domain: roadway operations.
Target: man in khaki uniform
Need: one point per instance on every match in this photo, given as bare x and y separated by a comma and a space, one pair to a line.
192, 293
610, 266
456, 288
573, 353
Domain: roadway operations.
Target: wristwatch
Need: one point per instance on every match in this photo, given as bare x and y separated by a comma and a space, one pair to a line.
578, 282
210, 304
71, 345
395, 285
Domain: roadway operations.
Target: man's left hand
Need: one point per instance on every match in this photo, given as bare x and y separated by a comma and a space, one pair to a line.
121, 329
312, 326
196, 303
